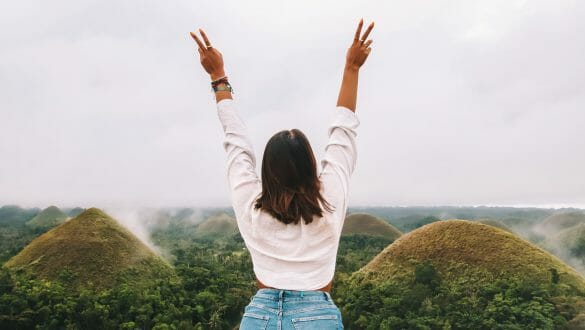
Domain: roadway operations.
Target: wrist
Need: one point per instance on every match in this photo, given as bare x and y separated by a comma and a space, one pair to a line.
351, 68
217, 75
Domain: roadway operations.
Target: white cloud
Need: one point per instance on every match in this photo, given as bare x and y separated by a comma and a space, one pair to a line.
460, 102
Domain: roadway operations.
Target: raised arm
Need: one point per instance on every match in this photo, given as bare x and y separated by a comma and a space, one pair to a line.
340, 157
356, 56
243, 181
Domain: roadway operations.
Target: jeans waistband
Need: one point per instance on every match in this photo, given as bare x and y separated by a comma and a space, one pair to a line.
284, 295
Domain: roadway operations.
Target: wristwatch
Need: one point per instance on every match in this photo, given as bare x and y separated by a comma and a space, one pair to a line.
223, 86
216, 85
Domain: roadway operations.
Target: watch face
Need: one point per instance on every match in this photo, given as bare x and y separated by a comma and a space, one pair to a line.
225, 87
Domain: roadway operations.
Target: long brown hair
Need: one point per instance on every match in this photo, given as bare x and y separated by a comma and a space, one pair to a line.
290, 185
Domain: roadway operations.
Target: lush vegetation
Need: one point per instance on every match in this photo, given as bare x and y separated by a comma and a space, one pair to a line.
424, 301
214, 281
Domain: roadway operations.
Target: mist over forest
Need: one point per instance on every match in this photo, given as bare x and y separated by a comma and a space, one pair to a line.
193, 265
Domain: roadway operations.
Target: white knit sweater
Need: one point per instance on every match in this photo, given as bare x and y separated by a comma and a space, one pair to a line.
292, 257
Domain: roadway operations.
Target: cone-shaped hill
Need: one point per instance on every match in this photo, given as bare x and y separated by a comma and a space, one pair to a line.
96, 250
13, 214
48, 218
367, 224
221, 224
495, 223
571, 237
464, 275
560, 221
569, 244
74, 211
455, 247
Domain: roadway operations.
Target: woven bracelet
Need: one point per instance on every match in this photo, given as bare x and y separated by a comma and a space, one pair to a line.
216, 82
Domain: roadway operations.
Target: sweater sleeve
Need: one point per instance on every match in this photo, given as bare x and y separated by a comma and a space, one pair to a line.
339, 161
243, 181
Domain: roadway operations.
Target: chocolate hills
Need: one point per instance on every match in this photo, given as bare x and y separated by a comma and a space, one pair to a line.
560, 221
496, 223
14, 214
364, 223
450, 265
456, 246
220, 224
48, 218
569, 244
91, 250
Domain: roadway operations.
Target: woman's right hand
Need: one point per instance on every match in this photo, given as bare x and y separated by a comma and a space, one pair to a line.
359, 50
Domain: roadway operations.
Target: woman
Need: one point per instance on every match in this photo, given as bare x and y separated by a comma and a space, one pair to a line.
291, 220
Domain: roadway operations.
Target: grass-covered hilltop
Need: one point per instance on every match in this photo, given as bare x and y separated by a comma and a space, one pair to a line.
463, 274
367, 224
49, 217
188, 268
221, 224
91, 249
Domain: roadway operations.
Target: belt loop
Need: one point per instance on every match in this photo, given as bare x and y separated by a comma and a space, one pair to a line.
302, 293
327, 296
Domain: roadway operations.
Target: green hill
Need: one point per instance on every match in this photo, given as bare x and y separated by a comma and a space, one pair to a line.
48, 218
13, 214
560, 221
569, 245
74, 211
363, 223
463, 274
455, 246
220, 224
496, 223
91, 250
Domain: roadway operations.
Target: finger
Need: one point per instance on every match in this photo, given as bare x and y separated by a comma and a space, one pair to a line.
197, 40
200, 51
205, 38
368, 30
359, 30
367, 43
367, 54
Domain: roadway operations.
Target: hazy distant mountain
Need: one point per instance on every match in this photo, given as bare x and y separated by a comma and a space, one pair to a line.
95, 249
496, 223
48, 218
13, 214
560, 221
363, 223
74, 211
569, 245
219, 224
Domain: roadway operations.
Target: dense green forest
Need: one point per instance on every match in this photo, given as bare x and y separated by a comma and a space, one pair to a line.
377, 285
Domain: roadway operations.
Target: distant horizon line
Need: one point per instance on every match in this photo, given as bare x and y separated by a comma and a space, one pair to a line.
555, 206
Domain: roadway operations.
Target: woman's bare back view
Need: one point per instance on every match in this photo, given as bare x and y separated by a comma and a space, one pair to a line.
291, 219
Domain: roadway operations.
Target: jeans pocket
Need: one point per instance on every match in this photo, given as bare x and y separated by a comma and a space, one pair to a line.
327, 321
254, 321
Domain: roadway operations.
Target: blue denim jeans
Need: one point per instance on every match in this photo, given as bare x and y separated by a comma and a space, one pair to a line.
290, 309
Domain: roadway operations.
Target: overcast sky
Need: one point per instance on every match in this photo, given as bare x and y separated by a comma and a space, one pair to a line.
460, 102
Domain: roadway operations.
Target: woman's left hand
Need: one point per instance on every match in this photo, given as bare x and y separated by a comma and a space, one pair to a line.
211, 58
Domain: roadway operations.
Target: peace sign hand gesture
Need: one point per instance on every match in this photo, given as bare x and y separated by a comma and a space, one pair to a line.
359, 50
211, 58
